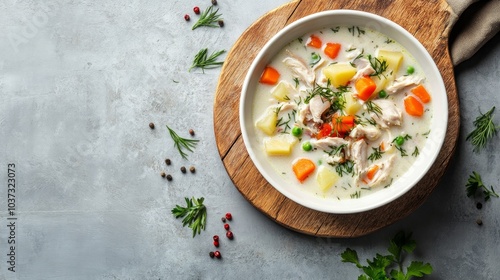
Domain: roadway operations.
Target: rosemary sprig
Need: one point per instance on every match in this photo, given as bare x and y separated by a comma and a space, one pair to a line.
194, 214
474, 183
208, 18
484, 131
203, 61
182, 143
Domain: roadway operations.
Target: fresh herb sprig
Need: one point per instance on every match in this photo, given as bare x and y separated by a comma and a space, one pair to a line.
182, 143
475, 184
380, 66
484, 131
376, 154
203, 61
208, 18
194, 214
390, 266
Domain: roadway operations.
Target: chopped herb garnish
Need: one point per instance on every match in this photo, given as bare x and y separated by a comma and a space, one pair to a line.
373, 108
356, 194
194, 214
484, 131
376, 154
300, 40
475, 183
346, 167
379, 66
202, 61
416, 152
208, 18
296, 80
356, 30
336, 29
182, 143
389, 41
336, 151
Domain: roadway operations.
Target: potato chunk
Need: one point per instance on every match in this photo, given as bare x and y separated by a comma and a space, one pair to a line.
339, 74
281, 91
326, 178
279, 145
352, 105
267, 122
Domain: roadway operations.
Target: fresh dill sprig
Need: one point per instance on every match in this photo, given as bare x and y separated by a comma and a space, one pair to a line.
346, 167
208, 18
484, 131
355, 29
380, 66
475, 183
194, 214
203, 61
376, 154
182, 143
373, 108
416, 152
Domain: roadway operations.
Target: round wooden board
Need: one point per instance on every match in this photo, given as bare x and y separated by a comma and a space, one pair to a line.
428, 20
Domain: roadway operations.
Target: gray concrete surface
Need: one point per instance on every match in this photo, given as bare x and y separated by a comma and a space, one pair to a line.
79, 83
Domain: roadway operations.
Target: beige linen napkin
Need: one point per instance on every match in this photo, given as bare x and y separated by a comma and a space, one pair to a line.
477, 22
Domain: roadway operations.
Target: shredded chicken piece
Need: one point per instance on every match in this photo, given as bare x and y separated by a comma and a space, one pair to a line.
370, 132
364, 68
358, 154
303, 114
300, 69
318, 105
328, 142
388, 115
403, 82
383, 172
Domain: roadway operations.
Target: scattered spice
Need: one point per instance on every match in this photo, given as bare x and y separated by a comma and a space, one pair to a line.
211, 254
216, 244
183, 169
479, 205
223, 219
151, 125
226, 226
191, 132
479, 222
186, 17
168, 161
229, 234
216, 238
163, 174
229, 216
196, 10
221, 23
214, 2
192, 169
217, 254
169, 177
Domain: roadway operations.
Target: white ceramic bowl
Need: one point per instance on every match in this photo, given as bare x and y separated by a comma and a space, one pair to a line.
318, 21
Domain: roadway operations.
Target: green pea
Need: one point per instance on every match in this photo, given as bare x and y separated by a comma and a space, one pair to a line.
410, 70
382, 94
296, 131
306, 146
400, 140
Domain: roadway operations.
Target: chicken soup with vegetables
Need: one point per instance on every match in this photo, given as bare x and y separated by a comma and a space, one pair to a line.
342, 112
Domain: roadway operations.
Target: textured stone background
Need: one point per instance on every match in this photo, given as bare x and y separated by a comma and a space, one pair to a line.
79, 83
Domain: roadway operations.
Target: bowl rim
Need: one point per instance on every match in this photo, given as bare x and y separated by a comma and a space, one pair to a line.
438, 140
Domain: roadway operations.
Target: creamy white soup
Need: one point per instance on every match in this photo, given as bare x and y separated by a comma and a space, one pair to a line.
342, 112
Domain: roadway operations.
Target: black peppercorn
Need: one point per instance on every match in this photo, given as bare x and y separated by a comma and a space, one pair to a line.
192, 169
479, 222
211, 254
168, 162
191, 132
214, 2
152, 125
169, 177
183, 169
163, 174
479, 205
221, 23
223, 219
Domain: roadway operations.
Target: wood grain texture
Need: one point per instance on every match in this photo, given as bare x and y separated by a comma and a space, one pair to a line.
429, 21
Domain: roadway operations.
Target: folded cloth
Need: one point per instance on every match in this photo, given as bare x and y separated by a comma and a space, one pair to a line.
476, 22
